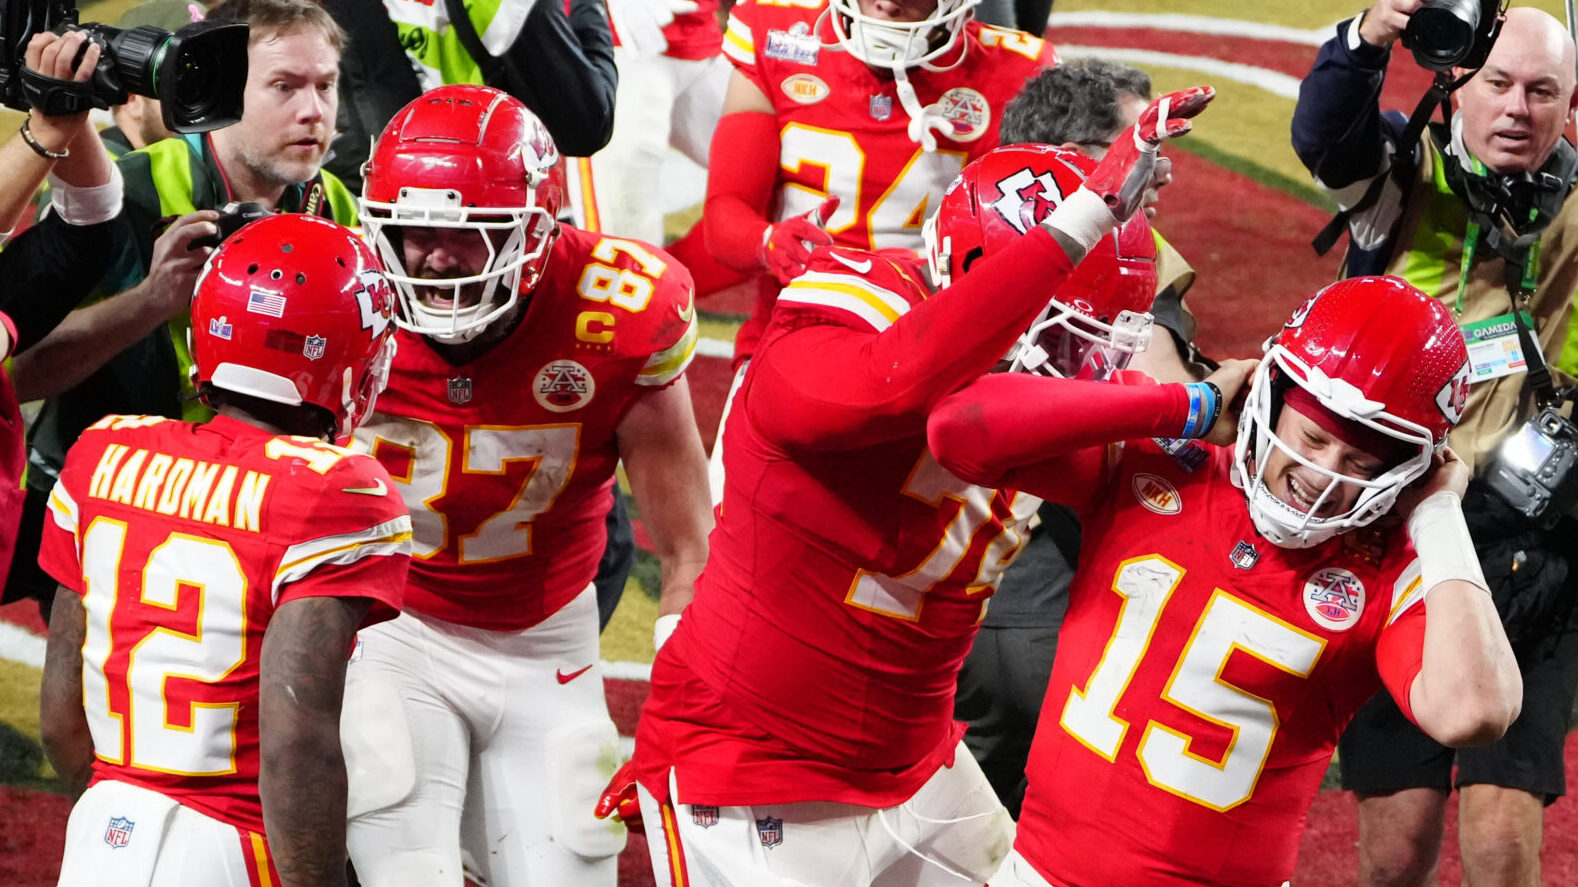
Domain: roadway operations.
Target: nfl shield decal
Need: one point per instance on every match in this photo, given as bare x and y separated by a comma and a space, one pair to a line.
1156, 493
1244, 555
704, 815
562, 386
771, 831
118, 833
312, 347
1334, 598
881, 107
460, 390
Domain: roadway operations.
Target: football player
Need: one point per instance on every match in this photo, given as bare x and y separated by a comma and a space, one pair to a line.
1235, 605
534, 358
843, 122
213, 577
799, 728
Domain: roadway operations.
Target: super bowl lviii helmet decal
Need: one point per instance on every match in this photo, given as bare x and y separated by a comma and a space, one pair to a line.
293, 309
889, 44
472, 168
1097, 318
1377, 354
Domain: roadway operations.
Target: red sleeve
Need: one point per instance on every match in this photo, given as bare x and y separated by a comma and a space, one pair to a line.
824, 386
741, 173
379, 578
1399, 655
992, 430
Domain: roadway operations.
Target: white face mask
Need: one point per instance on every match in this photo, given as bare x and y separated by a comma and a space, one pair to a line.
1285, 525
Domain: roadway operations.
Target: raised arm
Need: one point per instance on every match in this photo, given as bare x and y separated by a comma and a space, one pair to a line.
1468, 689
89, 337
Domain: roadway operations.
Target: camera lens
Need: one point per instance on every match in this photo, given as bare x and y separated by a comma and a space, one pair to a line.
202, 73
1441, 32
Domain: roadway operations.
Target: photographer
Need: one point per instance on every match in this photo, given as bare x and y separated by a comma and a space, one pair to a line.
127, 351
1474, 212
86, 197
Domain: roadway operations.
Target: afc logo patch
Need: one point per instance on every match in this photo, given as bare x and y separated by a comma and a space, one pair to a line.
967, 112
1334, 598
704, 815
1156, 493
771, 831
562, 386
118, 833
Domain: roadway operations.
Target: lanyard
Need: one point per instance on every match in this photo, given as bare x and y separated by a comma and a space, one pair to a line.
1531, 261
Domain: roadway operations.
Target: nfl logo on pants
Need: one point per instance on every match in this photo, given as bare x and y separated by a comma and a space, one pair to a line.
118, 834
771, 831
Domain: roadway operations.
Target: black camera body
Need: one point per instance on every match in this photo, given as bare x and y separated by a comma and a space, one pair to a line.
1447, 34
235, 216
197, 73
1533, 468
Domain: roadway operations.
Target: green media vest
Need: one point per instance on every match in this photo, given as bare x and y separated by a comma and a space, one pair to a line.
1429, 254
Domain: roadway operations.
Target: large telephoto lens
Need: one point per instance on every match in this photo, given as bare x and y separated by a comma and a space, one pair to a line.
1441, 32
202, 75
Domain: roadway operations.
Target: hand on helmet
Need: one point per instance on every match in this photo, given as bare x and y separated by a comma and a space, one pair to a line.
1232, 380
619, 800
1447, 473
787, 246
1129, 167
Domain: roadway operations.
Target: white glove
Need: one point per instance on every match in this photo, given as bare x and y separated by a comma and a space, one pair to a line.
640, 23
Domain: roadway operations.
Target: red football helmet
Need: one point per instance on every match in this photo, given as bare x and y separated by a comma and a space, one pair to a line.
293, 309
1374, 352
471, 159
1099, 317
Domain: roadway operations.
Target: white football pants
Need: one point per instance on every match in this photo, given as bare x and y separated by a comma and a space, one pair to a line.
500, 741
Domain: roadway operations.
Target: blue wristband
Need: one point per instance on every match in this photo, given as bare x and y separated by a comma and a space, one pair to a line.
1205, 407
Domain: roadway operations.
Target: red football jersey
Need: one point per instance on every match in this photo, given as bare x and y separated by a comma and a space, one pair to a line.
695, 34
184, 540
843, 132
507, 462
842, 591
1202, 678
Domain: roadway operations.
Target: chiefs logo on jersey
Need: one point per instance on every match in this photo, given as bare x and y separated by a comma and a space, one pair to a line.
1334, 598
1453, 396
563, 385
1156, 494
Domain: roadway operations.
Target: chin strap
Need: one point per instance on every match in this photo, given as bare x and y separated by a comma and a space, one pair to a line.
922, 119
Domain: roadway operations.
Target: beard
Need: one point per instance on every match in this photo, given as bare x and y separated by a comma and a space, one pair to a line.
271, 168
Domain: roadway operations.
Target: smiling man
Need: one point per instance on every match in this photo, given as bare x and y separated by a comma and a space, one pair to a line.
1234, 606
1476, 213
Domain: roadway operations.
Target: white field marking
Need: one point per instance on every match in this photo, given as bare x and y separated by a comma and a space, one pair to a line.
1191, 24
1274, 82
714, 348
17, 644
628, 671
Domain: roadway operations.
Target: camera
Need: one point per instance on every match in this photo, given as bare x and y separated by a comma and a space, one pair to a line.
1447, 34
1533, 468
198, 73
232, 218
